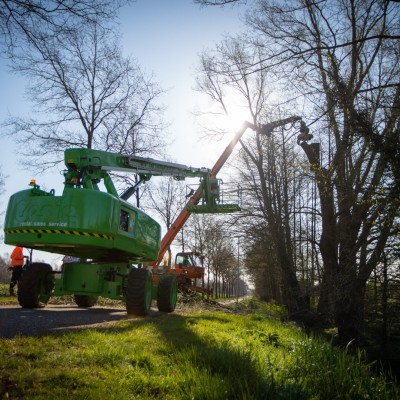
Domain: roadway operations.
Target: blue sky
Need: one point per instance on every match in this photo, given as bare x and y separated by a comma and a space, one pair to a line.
165, 37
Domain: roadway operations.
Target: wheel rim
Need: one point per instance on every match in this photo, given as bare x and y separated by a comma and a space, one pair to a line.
174, 293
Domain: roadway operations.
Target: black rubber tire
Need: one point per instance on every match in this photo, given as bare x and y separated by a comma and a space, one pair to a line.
86, 301
138, 294
167, 294
35, 277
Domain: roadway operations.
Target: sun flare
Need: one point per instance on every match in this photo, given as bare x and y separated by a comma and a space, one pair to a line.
236, 117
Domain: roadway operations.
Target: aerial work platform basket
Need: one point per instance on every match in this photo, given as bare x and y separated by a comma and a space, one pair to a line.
215, 199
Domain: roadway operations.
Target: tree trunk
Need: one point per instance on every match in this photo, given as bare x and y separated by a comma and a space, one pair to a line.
328, 240
349, 308
384, 303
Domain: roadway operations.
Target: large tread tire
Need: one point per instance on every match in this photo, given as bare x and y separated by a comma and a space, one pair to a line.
138, 292
86, 301
34, 279
167, 294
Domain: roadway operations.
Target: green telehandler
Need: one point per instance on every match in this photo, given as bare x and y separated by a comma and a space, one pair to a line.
109, 237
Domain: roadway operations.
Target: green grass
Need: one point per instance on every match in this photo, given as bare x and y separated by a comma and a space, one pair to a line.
263, 309
198, 354
4, 290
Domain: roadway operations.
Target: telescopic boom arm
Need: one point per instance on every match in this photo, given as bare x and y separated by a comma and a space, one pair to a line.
86, 167
185, 214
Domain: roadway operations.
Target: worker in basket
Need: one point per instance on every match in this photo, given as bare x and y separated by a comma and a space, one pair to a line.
17, 262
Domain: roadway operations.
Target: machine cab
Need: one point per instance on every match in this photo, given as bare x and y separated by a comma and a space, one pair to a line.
189, 263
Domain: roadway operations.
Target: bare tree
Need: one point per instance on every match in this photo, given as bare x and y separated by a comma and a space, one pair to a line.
219, 255
262, 269
344, 58
23, 23
271, 170
2, 182
86, 94
213, 238
4, 273
218, 2
264, 168
166, 199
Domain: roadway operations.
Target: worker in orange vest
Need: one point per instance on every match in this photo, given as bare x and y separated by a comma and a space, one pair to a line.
17, 262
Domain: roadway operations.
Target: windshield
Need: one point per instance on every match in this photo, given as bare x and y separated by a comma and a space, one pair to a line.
188, 260
197, 261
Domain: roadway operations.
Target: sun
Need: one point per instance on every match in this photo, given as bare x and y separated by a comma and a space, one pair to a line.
237, 110
236, 117
223, 117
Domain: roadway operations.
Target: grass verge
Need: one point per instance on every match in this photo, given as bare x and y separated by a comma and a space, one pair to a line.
199, 354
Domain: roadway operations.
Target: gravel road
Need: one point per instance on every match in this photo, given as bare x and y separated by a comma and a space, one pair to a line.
15, 320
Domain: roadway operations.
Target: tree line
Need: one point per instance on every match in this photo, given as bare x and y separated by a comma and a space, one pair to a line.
337, 65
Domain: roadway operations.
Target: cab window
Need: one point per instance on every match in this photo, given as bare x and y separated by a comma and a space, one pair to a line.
124, 221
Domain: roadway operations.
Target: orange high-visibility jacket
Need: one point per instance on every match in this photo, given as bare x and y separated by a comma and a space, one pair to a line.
17, 257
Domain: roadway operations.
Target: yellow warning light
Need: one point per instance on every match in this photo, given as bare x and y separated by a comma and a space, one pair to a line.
32, 182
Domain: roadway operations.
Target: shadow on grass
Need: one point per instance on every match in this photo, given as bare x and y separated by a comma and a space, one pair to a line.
215, 369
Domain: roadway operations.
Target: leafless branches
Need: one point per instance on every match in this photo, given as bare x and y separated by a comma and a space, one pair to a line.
339, 61
86, 94
218, 2
22, 23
